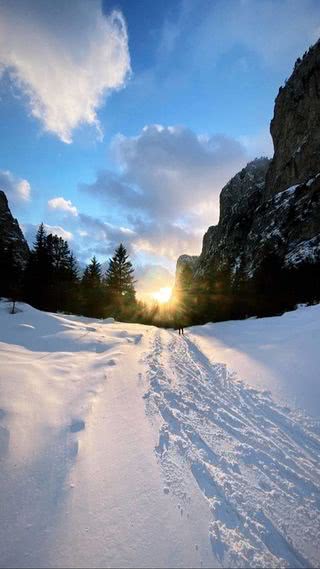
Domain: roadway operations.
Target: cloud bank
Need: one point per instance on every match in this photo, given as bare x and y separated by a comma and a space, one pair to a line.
65, 57
168, 185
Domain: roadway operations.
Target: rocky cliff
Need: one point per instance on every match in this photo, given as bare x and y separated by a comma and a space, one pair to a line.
11, 236
295, 127
271, 209
226, 244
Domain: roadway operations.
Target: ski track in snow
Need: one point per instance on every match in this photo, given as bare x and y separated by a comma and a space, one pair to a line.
255, 462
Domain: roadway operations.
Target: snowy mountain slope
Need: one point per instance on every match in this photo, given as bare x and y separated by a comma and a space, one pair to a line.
124, 445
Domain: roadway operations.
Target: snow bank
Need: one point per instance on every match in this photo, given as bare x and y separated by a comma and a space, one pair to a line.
280, 354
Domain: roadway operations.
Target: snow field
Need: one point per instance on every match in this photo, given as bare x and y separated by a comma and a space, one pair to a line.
124, 445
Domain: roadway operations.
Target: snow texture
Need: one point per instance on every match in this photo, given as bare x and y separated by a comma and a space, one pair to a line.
307, 250
124, 445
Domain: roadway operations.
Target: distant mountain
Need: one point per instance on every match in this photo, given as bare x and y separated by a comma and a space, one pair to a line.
267, 241
11, 236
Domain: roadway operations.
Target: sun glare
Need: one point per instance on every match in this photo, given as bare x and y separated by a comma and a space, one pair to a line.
162, 295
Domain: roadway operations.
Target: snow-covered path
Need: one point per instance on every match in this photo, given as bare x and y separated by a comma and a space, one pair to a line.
118, 503
255, 462
126, 446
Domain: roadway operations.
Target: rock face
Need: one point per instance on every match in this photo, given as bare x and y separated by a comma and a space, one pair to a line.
295, 127
272, 208
11, 235
226, 244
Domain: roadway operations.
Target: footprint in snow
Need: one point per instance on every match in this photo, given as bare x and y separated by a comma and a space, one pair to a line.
76, 426
74, 449
163, 442
111, 362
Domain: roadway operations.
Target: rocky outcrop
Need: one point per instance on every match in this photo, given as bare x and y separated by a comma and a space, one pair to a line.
271, 209
11, 236
286, 225
227, 243
295, 127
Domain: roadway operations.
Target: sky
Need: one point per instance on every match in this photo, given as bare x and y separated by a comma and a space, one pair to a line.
122, 120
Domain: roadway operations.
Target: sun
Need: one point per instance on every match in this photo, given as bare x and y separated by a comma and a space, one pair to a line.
162, 295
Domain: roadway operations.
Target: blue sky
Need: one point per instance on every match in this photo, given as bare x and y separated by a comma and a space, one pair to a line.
122, 121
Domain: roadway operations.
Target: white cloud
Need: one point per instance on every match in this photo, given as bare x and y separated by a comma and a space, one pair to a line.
168, 187
101, 238
16, 189
170, 172
65, 56
62, 204
30, 230
164, 239
57, 230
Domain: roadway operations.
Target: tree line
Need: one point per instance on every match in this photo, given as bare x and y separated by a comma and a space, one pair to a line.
51, 280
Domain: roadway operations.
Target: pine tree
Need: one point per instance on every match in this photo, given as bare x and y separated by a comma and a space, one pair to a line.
39, 272
51, 278
11, 272
119, 276
63, 274
72, 298
119, 282
92, 274
92, 290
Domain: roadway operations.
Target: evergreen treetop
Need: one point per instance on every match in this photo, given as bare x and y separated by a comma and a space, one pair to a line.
92, 274
119, 277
